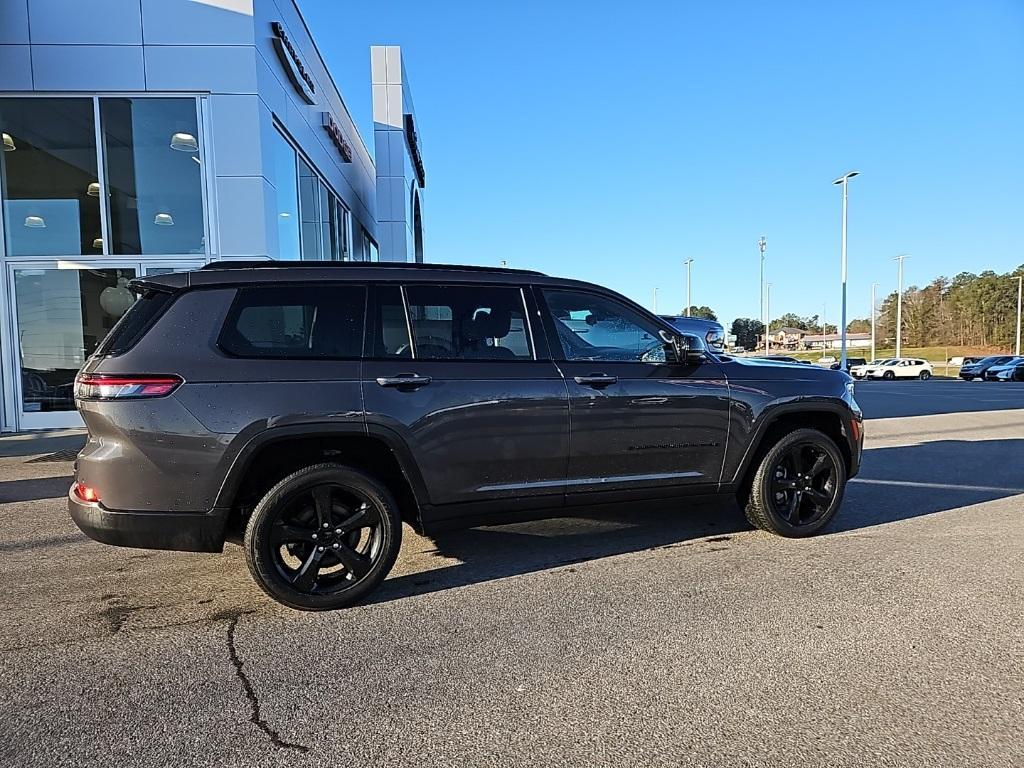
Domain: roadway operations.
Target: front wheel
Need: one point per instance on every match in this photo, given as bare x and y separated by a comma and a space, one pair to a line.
798, 486
925, 375
888, 375
323, 538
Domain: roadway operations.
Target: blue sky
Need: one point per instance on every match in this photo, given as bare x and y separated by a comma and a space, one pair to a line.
611, 141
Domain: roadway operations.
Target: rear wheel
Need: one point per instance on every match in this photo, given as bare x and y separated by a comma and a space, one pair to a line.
798, 486
889, 375
323, 538
925, 375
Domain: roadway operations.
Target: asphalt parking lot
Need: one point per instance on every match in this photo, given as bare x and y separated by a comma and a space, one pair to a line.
638, 636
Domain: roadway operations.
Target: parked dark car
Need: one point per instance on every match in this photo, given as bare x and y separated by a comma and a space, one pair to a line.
308, 410
710, 332
850, 362
977, 370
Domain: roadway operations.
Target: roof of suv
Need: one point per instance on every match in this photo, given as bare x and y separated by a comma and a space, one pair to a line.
237, 272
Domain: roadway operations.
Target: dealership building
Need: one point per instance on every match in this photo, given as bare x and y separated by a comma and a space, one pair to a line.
147, 136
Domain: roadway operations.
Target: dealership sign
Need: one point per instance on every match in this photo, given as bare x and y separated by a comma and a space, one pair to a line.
337, 137
293, 65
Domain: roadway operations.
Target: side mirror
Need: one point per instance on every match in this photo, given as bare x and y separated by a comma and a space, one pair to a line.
679, 349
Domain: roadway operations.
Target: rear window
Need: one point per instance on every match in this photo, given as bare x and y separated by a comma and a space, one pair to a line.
133, 325
296, 322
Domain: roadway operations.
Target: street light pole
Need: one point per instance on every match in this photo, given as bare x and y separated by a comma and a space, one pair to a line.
689, 300
844, 181
1020, 285
762, 244
655, 301
873, 313
768, 306
899, 305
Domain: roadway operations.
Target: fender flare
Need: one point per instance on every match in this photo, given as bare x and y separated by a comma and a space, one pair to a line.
241, 462
773, 413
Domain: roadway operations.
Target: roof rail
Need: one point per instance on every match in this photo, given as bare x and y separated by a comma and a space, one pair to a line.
254, 264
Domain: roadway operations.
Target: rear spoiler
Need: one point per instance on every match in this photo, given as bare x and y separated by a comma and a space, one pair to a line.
169, 283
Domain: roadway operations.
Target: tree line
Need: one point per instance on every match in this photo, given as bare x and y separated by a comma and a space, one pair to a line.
970, 310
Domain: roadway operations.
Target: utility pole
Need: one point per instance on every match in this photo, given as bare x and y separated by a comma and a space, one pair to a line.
824, 327
655, 301
1020, 285
873, 305
844, 181
899, 305
689, 302
762, 244
768, 305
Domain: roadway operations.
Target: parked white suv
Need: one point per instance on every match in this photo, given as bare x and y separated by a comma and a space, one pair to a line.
901, 368
861, 371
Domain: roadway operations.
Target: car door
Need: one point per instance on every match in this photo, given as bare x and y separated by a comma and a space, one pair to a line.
454, 373
640, 425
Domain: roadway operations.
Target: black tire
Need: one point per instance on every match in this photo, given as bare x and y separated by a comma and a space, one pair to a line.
286, 540
770, 493
888, 375
925, 375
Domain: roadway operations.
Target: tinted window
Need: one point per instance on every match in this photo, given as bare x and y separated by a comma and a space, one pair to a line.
468, 323
591, 327
296, 322
135, 322
391, 338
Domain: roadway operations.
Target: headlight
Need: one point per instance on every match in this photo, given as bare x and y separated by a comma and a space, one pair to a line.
714, 339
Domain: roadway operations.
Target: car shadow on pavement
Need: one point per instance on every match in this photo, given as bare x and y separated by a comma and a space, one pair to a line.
34, 488
895, 484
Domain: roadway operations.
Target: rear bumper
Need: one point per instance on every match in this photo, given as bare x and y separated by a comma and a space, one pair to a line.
186, 532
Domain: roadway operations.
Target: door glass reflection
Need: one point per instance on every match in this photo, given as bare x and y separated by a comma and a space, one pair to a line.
63, 314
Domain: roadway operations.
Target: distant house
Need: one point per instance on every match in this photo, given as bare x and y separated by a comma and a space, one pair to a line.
783, 338
834, 341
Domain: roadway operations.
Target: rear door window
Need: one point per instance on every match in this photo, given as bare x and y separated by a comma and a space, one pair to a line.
468, 322
296, 322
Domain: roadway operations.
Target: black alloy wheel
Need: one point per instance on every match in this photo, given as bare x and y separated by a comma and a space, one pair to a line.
798, 486
925, 375
888, 375
323, 538
804, 483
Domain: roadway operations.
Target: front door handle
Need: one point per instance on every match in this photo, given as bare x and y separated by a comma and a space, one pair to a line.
596, 380
404, 380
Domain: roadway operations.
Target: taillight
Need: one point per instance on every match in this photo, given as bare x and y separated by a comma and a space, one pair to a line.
86, 493
99, 386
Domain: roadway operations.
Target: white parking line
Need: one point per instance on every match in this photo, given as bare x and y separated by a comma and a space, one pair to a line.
941, 486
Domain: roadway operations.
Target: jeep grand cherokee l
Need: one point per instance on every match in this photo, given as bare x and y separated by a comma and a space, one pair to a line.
308, 410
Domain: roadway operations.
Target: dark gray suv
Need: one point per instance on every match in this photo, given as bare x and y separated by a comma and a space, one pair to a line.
308, 410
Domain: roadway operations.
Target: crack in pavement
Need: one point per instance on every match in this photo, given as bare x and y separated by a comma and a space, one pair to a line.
250, 692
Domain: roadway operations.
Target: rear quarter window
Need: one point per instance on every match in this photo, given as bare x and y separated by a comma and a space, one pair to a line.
296, 322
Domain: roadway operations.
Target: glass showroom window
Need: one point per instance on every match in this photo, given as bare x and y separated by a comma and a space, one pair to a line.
63, 314
154, 179
50, 187
339, 224
287, 189
309, 210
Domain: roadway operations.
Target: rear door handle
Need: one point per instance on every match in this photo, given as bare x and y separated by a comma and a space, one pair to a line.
404, 380
596, 380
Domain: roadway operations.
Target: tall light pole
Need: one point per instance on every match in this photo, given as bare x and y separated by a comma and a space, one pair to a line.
899, 305
844, 182
762, 244
1020, 285
655, 301
689, 302
768, 306
873, 313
